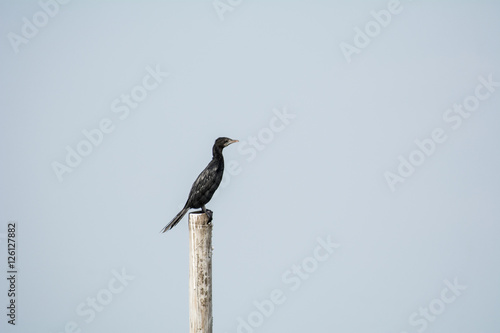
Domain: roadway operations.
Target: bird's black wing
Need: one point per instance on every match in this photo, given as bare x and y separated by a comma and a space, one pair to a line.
205, 185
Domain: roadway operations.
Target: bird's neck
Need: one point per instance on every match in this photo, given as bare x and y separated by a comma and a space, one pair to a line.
217, 153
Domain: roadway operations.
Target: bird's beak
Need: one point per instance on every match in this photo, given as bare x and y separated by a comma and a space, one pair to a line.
232, 141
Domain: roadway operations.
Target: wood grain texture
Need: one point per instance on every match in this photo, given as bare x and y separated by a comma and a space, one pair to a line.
200, 274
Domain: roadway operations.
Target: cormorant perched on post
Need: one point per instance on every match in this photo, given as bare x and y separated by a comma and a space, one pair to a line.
205, 185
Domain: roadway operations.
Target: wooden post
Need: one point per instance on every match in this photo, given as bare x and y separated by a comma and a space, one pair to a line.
200, 274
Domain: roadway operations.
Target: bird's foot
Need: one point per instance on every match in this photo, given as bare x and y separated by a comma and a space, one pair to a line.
210, 214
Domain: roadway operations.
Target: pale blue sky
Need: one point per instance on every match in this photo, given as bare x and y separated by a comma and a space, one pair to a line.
320, 133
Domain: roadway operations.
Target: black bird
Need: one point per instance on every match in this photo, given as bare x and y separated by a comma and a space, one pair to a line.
205, 185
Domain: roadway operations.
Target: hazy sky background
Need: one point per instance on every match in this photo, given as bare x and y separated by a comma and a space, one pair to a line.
320, 131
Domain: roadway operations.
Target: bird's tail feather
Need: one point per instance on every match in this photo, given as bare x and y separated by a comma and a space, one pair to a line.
176, 219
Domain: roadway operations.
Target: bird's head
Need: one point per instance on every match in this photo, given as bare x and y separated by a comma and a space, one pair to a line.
220, 144
224, 142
